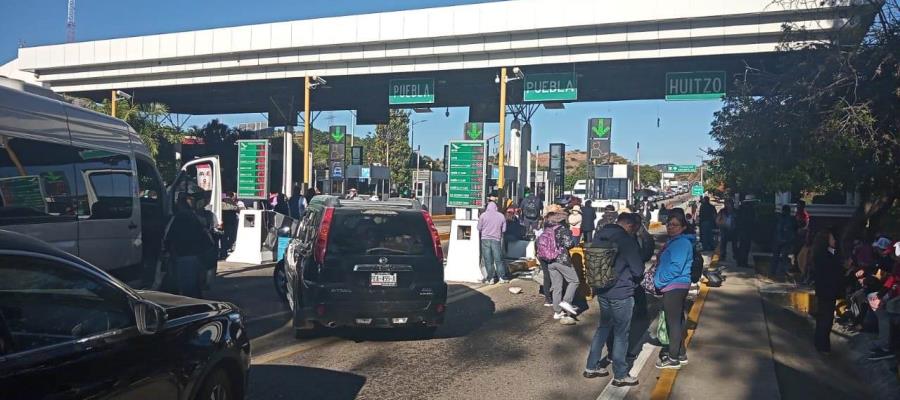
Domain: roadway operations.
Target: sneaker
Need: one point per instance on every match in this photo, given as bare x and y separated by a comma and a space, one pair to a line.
504, 281
568, 308
548, 304
559, 315
626, 381
683, 359
567, 320
667, 363
596, 373
880, 354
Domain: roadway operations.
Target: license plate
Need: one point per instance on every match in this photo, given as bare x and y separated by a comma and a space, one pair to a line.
385, 279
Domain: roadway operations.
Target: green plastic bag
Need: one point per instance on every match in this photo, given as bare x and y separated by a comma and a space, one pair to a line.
662, 331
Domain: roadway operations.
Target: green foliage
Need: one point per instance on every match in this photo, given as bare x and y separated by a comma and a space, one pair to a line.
650, 175
393, 136
579, 173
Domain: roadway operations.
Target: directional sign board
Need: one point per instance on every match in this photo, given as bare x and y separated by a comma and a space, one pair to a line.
551, 87
337, 133
467, 171
600, 128
702, 85
411, 91
253, 169
473, 131
697, 190
681, 169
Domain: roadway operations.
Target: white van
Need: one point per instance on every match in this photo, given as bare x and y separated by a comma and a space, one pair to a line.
85, 182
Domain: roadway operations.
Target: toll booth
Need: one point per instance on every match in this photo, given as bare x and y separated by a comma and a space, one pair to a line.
612, 184
430, 187
511, 177
369, 180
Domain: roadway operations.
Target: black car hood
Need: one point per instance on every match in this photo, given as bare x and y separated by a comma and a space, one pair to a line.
179, 306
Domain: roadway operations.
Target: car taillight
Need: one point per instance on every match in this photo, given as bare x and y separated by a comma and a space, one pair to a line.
435, 237
322, 240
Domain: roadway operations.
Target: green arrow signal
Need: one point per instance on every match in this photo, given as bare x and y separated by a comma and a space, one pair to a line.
338, 133
473, 132
600, 130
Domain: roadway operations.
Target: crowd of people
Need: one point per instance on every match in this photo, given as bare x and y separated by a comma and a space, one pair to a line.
557, 229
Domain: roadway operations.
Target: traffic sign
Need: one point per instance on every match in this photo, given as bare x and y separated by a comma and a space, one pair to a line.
701, 85
338, 132
560, 86
473, 131
697, 190
337, 170
681, 169
411, 91
253, 169
467, 169
600, 128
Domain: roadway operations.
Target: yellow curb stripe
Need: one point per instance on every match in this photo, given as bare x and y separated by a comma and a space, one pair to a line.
444, 236
442, 217
666, 382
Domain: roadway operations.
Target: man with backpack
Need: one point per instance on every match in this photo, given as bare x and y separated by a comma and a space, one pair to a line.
531, 206
553, 248
615, 278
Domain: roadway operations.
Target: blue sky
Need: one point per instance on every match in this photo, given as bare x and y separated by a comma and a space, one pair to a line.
683, 126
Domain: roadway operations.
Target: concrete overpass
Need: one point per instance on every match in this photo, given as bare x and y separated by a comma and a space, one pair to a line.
618, 51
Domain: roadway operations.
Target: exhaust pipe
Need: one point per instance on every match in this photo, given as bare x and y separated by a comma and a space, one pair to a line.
331, 324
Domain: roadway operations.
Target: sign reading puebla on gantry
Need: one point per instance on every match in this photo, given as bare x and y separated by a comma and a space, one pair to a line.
560, 86
411, 91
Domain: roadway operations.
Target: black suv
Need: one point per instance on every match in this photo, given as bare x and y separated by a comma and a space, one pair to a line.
70, 331
365, 264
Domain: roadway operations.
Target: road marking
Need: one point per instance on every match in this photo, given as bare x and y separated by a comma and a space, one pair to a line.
611, 392
666, 381
300, 347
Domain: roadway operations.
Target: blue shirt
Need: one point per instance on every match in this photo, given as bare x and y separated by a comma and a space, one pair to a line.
675, 262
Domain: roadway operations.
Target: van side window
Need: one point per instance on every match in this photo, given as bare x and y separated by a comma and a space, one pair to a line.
37, 181
107, 185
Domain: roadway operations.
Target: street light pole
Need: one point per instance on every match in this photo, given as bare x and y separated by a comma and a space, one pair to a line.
307, 152
501, 146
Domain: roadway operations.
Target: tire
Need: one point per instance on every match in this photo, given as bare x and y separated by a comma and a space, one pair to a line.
217, 386
279, 279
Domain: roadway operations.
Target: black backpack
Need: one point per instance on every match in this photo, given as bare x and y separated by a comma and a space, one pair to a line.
600, 259
697, 263
530, 208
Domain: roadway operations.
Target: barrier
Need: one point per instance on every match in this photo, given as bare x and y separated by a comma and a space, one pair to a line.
464, 251
248, 244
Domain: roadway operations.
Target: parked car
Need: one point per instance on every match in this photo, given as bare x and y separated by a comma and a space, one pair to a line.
69, 330
365, 264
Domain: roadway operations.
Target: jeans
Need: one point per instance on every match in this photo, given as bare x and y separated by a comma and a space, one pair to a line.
187, 272
706, 235
884, 326
492, 258
615, 317
562, 275
673, 303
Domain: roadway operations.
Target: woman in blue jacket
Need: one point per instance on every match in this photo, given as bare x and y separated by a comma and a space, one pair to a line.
673, 279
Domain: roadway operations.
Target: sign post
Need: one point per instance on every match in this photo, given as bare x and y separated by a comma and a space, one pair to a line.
701, 85
253, 169
560, 86
411, 91
467, 171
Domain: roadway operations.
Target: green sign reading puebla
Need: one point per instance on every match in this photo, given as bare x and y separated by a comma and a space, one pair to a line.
551, 87
411, 91
702, 85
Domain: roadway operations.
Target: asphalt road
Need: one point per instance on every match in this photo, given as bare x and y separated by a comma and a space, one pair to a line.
494, 345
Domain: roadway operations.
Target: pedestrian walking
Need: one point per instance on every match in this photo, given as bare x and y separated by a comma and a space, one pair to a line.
531, 206
617, 301
785, 238
491, 225
575, 221
553, 247
726, 220
673, 279
829, 285
707, 219
588, 221
297, 203
746, 219
188, 242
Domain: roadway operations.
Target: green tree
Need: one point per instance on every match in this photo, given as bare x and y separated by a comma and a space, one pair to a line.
391, 140
650, 176
579, 173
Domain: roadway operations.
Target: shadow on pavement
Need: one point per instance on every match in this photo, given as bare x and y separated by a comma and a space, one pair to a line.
297, 382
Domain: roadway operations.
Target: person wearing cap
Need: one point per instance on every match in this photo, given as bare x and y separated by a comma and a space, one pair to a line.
352, 195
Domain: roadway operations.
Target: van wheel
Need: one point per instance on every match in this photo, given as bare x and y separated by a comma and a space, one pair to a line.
280, 281
217, 387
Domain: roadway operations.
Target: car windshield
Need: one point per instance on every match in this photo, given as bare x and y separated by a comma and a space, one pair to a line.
379, 233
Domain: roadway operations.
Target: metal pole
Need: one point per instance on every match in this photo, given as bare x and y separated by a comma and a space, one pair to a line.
639, 165
288, 161
501, 146
112, 104
307, 134
418, 160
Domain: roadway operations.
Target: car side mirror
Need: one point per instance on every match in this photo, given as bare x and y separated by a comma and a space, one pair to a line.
150, 317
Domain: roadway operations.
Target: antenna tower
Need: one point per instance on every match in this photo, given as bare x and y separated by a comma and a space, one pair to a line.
70, 22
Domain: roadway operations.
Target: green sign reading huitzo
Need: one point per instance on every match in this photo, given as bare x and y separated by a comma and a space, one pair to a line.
701, 85
411, 91
681, 168
551, 87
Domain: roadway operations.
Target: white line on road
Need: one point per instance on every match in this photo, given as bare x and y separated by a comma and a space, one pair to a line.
611, 392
